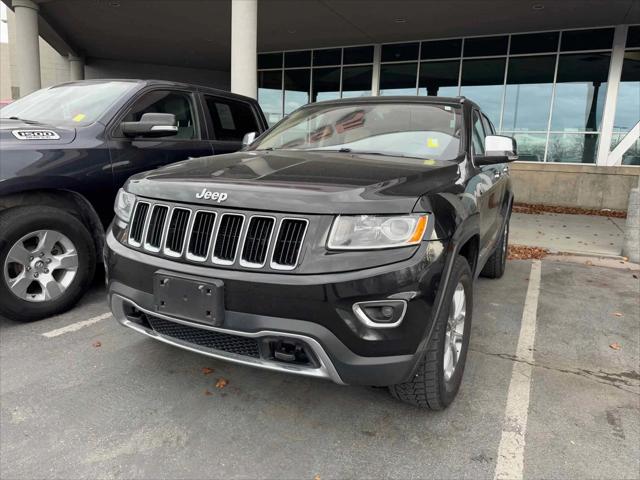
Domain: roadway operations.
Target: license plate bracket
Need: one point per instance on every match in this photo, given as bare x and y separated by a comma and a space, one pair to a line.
189, 297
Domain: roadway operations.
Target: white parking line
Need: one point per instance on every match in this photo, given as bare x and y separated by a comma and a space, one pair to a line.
510, 463
76, 326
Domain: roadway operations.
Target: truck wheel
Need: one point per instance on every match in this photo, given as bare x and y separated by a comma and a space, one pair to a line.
47, 260
495, 266
439, 373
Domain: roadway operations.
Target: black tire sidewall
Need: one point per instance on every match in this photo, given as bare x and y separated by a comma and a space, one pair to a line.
461, 274
20, 221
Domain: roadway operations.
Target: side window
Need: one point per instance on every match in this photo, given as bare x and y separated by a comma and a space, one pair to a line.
162, 101
488, 126
231, 119
477, 135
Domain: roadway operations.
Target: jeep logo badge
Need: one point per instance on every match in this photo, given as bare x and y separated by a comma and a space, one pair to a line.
209, 195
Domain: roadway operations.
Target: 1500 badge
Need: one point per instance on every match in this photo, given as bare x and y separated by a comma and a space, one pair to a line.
35, 135
209, 195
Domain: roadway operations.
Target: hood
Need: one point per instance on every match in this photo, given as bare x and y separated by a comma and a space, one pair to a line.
297, 181
14, 133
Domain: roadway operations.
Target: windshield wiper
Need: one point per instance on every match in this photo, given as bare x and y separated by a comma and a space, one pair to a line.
35, 122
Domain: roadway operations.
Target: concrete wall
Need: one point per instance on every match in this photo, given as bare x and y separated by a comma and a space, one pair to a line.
585, 186
102, 68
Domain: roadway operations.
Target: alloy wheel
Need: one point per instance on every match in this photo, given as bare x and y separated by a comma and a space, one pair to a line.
41, 266
455, 331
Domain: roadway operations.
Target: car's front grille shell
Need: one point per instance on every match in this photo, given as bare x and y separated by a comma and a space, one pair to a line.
219, 237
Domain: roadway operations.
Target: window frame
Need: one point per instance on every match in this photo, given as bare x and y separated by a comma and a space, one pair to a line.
199, 131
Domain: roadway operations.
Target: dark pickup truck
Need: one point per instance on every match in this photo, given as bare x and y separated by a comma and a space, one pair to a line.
65, 151
343, 244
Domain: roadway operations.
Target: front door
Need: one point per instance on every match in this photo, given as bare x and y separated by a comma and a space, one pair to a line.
133, 155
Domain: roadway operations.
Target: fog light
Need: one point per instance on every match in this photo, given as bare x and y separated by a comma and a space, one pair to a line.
381, 313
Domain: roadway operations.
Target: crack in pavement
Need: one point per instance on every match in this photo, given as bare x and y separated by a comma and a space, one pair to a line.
618, 380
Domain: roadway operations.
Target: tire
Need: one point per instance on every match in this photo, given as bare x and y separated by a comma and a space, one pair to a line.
495, 266
431, 387
64, 270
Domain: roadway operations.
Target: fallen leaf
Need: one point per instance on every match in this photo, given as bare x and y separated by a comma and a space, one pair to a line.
536, 209
522, 252
618, 314
589, 262
221, 383
207, 370
317, 477
97, 344
615, 346
626, 259
207, 392
635, 276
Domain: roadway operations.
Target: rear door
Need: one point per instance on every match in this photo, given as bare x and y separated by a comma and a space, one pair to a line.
133, 155
229, 119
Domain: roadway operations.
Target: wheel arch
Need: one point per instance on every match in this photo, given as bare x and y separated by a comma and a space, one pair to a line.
68, 200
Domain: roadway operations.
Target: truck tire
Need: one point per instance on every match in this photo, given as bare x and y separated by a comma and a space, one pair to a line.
47, 261
495, 266
439, 373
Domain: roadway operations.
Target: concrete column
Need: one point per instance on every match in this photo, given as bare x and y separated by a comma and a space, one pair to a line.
613, 82
76, 67
375, 77
244, 47
27, 46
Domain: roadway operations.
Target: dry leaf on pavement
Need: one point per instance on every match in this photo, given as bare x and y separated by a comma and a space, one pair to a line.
207, 392
207, 370
221, 383
317, 477
618, 314
615, 346
97, 344
522, 252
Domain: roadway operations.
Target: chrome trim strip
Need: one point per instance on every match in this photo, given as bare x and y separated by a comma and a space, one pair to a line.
217, 260
357, 310
195, 258
153, 208
168, 252
326, 369
277, 266
244, 263
129, 239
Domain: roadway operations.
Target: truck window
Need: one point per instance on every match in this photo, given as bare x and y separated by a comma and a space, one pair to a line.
231, 119
163, 101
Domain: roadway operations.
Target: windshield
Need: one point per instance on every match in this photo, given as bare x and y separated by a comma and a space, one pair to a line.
416, 130
73, 104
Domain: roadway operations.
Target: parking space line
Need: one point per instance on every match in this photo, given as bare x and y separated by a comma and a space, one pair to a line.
510, 462
76, 326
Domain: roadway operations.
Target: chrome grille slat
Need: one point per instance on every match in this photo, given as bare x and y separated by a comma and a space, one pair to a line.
155, 229
177, 232
228, 238
218, 236
201, 235
288, 246
256, 242
137, 224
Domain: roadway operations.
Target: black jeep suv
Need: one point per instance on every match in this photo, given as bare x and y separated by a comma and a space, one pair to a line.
342, 243
64, 153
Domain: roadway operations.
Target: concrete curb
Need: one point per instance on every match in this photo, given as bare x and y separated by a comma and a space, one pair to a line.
631, 245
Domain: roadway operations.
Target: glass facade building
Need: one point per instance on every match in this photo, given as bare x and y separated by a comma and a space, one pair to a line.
547, 89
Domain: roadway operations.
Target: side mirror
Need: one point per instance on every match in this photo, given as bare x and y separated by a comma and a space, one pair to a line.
151, 125
498, 149
248, 138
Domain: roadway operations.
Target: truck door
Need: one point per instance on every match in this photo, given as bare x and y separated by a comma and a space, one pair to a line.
133, 155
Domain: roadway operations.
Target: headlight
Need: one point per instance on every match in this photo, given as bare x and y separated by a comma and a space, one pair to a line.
123, 206
365, 232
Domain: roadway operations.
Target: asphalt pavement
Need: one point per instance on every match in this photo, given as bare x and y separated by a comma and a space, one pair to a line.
82, 397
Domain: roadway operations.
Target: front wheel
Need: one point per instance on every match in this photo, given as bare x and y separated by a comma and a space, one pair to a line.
47, 257
439, 373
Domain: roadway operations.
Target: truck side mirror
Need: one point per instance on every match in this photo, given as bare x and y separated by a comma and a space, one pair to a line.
151, 125
248, 138
498, 149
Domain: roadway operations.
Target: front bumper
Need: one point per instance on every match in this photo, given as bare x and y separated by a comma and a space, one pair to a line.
313, 311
